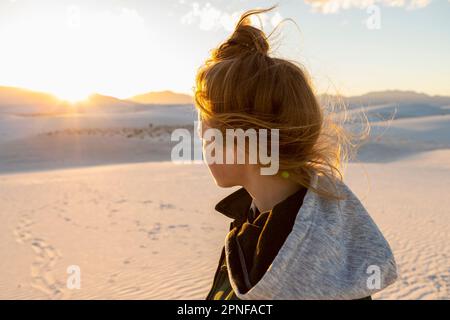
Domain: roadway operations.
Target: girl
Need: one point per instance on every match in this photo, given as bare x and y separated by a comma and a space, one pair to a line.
302, 233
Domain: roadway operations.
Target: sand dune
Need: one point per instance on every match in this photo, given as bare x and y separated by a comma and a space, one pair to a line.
48, 143
402, 138
148, 229
136, 231
407, 198
69, 148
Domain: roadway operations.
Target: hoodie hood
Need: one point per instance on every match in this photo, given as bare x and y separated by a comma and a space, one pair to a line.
334, 251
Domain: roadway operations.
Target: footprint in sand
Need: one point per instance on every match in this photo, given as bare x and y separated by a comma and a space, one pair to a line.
163, 206
21, 232
440, 282
46, 257
178, 226
152, 233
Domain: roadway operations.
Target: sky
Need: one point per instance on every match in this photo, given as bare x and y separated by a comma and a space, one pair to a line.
123, 48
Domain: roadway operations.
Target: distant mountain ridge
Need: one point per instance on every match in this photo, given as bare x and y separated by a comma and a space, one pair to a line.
392, 104
391, 96
162, 97
22, 101
18, 101
11, 96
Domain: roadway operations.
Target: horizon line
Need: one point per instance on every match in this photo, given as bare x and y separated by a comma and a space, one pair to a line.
190, 95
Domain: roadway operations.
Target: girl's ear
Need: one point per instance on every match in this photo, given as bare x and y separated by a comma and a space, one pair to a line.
202, 127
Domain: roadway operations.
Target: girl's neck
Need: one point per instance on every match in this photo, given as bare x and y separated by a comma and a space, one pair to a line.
267, 191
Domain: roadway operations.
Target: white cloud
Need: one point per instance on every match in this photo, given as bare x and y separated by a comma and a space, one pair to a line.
333, 6
208, 17
416, 4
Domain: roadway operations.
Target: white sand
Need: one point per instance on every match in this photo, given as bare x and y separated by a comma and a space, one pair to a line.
136, 231
149, 230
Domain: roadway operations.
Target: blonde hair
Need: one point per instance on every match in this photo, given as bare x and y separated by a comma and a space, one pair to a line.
241, 86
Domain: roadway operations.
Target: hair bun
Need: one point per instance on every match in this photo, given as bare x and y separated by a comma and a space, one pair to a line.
250, 38
246, 45
245, 39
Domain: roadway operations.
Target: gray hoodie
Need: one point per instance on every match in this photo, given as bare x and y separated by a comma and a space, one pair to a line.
335, 251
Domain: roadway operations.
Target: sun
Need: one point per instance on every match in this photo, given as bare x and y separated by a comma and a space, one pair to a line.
73, 96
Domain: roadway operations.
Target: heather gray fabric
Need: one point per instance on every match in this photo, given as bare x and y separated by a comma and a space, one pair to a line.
328, 253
